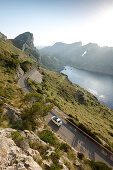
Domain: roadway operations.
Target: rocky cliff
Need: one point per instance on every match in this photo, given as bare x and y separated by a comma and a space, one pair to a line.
25, 42
13, 157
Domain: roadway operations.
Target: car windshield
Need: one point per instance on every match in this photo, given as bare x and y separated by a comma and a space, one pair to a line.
55, 118
59, 121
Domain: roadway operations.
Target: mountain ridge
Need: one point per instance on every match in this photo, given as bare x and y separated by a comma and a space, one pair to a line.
24, 42
89, 57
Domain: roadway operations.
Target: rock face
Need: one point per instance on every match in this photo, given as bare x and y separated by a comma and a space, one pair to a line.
11, 156
22, 39
25, 42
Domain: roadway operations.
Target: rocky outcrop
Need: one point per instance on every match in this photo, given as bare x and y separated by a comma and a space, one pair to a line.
25, 42
11, 156
12, 112
24, 39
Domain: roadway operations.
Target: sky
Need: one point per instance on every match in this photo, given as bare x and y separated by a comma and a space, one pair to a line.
53, 21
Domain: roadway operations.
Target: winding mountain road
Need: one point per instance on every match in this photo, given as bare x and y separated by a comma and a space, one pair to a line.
69, 133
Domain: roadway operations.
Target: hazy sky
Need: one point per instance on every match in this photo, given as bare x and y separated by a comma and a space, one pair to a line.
59, 20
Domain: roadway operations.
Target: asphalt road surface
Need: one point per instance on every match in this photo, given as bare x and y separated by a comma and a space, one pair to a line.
23, 83
78, 141
69, 133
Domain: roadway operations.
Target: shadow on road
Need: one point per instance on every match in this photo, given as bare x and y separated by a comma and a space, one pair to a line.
54, 127
86, 146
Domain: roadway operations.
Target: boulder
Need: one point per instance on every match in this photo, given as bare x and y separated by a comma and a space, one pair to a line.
11, 156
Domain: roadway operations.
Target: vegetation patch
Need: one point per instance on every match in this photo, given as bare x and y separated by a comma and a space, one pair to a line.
64, 146
26, 65
48, 137
80, 155
97, 165
18, 138
39, 147
91, 116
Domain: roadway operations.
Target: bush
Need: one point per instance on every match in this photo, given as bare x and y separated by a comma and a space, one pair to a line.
30, 96
97, 165
111, 134
9, 92
71, 120
10, 81
37, 146
64, 147
13, 62
55, 158
26, 65
18, 139
28, 121
48, 137
1, 103
1, 107
39, 90
56, 167
80, 155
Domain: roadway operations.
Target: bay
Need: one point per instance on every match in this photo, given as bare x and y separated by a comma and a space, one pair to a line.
100, 85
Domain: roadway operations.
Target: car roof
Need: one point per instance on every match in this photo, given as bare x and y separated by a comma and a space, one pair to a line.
58, 119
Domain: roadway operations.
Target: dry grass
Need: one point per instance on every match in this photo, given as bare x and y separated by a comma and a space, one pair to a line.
96, 116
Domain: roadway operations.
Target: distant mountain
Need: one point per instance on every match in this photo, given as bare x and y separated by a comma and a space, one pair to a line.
40, 47
25, 42
89, 57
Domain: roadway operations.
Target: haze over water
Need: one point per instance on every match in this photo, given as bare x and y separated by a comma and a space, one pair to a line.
99, 85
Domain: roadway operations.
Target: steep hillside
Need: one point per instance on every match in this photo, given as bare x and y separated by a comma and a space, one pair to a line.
11, 58
90, 57
79, 103
26, 140
25, 43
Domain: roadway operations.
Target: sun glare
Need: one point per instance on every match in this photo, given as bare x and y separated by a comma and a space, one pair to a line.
104, 28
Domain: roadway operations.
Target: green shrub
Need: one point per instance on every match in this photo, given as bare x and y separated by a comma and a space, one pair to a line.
28, 120
55, 158
9, 92
49, 100
10, 81
73, 117
13, 62
39, 90
38, 146
97, 165
1, 103
36, 96
111, 134
71, 120
64, 147
80, 155
18, 139
56, 167
1, 107
26, 65
48, 137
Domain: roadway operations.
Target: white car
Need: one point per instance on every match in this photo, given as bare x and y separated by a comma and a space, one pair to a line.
56, 120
